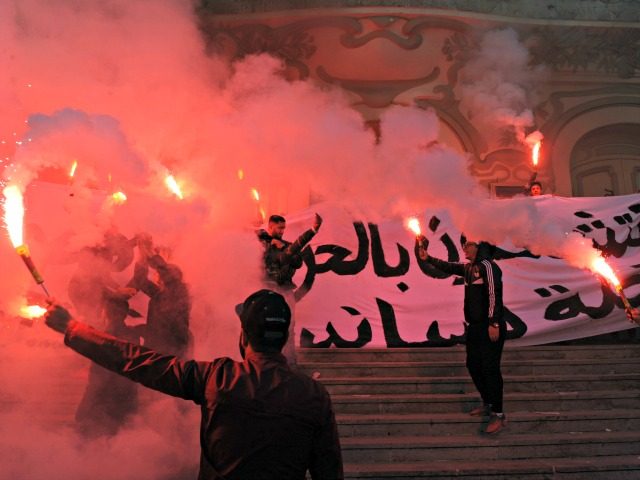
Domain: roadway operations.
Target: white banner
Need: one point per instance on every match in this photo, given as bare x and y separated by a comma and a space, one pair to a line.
363, 285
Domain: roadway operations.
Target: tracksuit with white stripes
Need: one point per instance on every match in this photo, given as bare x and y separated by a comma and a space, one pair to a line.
482, 307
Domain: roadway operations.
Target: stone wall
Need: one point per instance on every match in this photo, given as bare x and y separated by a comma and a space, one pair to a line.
407, 52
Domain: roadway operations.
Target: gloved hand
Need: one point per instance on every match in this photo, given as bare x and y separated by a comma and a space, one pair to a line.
57, 317
317, 222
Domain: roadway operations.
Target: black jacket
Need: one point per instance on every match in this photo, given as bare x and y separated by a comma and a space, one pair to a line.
482, 287
281, 263
260, 419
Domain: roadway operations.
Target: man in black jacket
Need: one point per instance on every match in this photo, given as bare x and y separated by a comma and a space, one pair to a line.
281, 260
485, 326
260, 420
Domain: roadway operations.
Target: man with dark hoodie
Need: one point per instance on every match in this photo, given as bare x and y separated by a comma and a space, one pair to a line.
484, 322
260, 419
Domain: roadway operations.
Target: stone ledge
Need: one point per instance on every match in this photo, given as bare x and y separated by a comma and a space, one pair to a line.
584, 10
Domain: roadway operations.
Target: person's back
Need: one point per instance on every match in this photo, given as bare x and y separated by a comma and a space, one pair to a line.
262, 420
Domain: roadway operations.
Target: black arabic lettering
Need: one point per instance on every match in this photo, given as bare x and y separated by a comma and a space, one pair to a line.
336, 262
334, 338
380, 266
611, 247
572, 306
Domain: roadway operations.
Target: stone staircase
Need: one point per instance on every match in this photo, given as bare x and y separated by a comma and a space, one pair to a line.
573, 413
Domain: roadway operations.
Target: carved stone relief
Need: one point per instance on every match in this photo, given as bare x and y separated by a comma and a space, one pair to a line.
608, 50
436, 48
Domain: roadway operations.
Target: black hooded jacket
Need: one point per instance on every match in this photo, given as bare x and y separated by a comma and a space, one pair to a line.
482, 285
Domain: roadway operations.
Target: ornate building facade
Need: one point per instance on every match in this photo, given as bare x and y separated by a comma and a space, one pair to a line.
582, 84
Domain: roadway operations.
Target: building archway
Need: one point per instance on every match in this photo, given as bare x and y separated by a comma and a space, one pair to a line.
606, 161
565, 131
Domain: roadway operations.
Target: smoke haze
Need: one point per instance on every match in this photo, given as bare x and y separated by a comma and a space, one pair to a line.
125, 89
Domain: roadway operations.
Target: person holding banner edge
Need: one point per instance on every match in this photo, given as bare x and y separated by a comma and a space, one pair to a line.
484, 324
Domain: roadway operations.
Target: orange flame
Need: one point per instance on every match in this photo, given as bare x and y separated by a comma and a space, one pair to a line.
119, 198
32, 311
600, 266
535, 153
240, 174
72, 172
413, 224
173, 186
14, 214
256, 194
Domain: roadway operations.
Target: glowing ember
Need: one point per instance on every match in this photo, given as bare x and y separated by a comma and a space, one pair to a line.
72, 172
255, 194
119, 198
413, 224
600, 266
240, 174
173, 186
535, 153
32, 311
14, 214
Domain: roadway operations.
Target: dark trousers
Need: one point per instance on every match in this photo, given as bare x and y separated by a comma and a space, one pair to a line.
483, 363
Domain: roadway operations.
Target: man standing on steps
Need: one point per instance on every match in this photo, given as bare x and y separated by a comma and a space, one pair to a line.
484, 322
281, 260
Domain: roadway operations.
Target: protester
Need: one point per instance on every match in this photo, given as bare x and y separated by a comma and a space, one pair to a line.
169, 308
535, 189
484, 322
260, 419
109, 400
281, 260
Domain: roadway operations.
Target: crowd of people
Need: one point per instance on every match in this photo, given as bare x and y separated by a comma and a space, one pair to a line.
262, 418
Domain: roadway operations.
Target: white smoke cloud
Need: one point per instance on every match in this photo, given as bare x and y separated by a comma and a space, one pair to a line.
125, 89
498, 85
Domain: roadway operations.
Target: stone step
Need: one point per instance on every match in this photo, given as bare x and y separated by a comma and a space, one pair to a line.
613, 467
513, 402
463, 384
504, 446
457, 353
433, 424
453, 369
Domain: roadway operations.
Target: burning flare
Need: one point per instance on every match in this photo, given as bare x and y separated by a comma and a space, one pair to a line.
72, 172
32, 311
600, 266
535, 154
173, 186
14, 214
534, 140
14, 219
119, 198
413, 224
256, 196
240, 174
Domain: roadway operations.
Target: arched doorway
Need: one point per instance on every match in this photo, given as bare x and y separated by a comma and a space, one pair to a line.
606, 161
